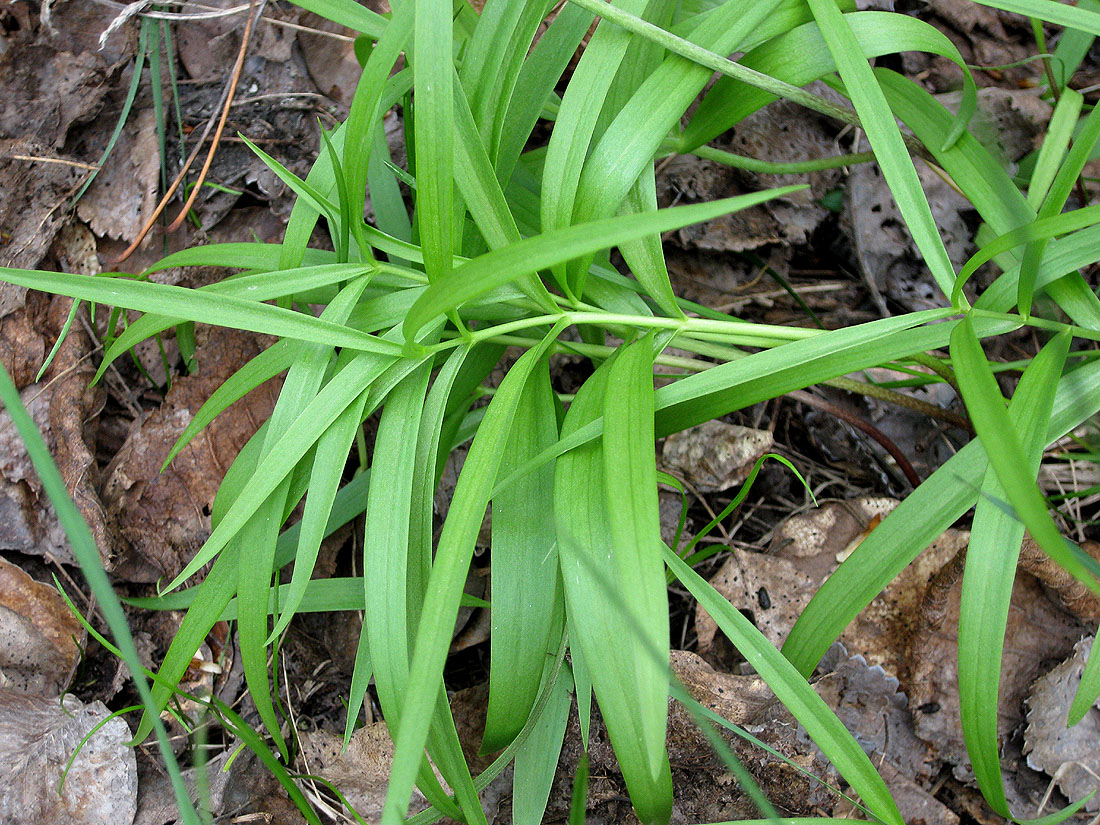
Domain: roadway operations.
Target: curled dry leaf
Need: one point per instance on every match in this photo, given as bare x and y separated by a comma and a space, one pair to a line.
1069, 754
38, 736
165, 517
40, 638
1074, 596
714, 456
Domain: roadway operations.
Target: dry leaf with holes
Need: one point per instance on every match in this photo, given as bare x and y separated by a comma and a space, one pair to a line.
1069, 754
775, 587
37, 738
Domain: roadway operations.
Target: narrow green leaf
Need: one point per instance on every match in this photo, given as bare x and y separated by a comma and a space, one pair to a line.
794, 692
886, 141
502, 266
525, 568
990, 571
198, 305
991, 422
453, 555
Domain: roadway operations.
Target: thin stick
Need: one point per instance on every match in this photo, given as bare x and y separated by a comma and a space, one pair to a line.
174, 185
172, 227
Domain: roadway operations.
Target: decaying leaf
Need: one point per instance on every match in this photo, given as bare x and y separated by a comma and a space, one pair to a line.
361, 773
782, 132
714, 456
1069, 754
164, 517
124, 193
28, 522
775, 587
886, 251
40, 637
1038, 632
1074, 596
37, 738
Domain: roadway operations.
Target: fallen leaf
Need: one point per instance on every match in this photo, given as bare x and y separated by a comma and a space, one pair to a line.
40, 637
38, 736
932, 677
164, 517
1074, 596
714, 456
361, 773
1069, 754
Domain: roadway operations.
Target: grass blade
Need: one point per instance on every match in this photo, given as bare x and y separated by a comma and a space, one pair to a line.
990, 571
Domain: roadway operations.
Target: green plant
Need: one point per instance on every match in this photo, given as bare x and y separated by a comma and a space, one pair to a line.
507, 246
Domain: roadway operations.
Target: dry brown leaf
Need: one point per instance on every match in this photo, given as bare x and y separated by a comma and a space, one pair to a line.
775, 587
28, 522
1069, 754
714, 456
37, 738
1074, 596
932, 677
164, 517
361, 773
40, 637
781, 132
74, 411
331, 62
124, 193
885, 249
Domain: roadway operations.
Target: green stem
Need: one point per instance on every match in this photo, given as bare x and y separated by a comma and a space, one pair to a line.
774, 168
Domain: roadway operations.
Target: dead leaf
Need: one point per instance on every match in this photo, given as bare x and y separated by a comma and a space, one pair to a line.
781, 132
28, 522
124, 193
1074, 596
331, 62
775, 587
1069, 754
156, 801
40, 637
362, 772
886, 251
164, 517
74, 413
37, 738
932, 677
714, 456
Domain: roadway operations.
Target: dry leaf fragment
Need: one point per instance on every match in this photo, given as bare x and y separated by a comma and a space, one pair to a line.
1074, 596
1069, 754
37, 738
39, 636
714, 456
1037, 632
362, 772
165, 516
